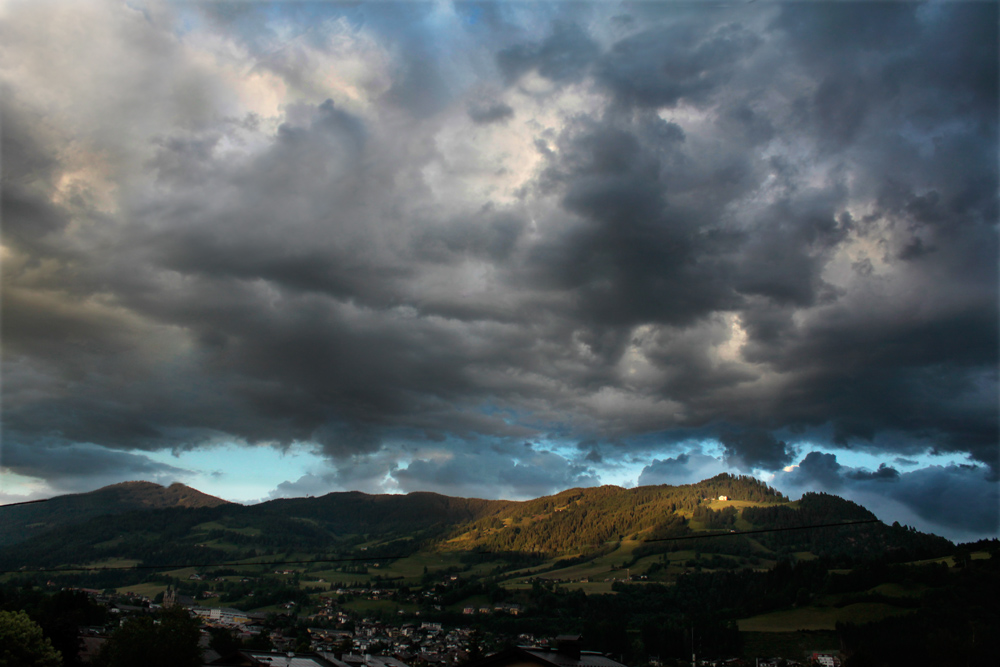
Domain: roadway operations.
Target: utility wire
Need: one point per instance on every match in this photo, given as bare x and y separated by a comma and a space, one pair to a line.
26, 502
399, 556
762, 530
201, 565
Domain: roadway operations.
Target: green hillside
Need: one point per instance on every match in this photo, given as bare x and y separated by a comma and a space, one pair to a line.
25, 521
637, 527
581, 519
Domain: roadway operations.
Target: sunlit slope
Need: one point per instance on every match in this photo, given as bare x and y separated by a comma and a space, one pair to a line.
587, 519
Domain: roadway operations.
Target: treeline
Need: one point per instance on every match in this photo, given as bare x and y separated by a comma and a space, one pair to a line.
640, 621
850, 543
715, 519
153, 536
953, 625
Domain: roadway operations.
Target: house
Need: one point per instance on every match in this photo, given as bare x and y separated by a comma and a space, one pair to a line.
567, 653
826, 658
513, 609
723, 498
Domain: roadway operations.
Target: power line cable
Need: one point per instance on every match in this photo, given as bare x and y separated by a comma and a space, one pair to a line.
26, 502
762, 530
176, 566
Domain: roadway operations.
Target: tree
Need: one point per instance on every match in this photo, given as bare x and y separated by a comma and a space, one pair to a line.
173, 642
22, 643
223, 642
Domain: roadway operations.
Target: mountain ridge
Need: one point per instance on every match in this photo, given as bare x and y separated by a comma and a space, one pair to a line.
574, 523
22, 522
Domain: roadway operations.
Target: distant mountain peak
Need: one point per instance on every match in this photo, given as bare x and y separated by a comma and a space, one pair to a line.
151, 494
28, 520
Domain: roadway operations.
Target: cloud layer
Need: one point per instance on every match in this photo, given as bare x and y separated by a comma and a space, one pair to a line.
959, 502
421, 236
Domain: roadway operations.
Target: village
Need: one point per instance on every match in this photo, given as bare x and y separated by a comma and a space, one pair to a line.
330, 631
334, 637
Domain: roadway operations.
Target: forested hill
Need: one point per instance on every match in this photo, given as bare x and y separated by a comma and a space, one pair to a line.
356, 512
577, 522
580, 518
24, 521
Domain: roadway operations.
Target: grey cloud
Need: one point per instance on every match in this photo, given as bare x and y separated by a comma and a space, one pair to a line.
933, 491
484, 114
634, 257
817, 468
684, 468
784, 258
420, 88
883, 474
529, 475
754, 449
841, 106
661, 66
310, 484
83, 466
29, 169
827, 31
930, 493
563, 56
491, 235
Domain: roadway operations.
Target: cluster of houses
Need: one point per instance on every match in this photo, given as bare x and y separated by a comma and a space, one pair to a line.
368, 643
502, 608
365, 642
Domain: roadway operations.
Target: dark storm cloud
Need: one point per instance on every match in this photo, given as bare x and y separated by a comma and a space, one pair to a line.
29, 167
83, 466
681, 469
660, 67
748, 450
493, 236
884, 474
949, 351
635, 259
817, 468
744, 224
307, 167
930, 492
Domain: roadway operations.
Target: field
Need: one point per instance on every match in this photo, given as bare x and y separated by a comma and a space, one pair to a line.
602, 567
908, 590
819, 618
369, 606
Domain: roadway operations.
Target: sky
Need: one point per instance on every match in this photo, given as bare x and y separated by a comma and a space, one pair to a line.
503, 249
